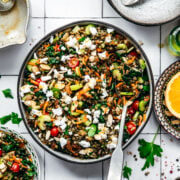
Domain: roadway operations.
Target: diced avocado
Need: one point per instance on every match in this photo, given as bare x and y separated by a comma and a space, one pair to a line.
75, 114
122, 46
140, 80
76, 29
55, 40
142, 64
34, 61
56, 92
116, 65
88, 123
92, 130
41, 121
29, 68
117, 74
87, 29
76, 87
80, 103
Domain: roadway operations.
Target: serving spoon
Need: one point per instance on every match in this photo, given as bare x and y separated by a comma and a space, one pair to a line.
6, 5
116, 163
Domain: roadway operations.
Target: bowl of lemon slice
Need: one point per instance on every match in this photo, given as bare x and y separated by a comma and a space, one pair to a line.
167, 99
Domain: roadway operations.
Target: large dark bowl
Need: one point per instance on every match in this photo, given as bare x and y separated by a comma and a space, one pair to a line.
20, 80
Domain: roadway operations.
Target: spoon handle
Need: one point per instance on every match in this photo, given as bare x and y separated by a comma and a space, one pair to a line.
115, 168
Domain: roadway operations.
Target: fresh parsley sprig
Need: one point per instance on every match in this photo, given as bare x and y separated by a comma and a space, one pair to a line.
147, 150
127, 171
7, 93
12, 117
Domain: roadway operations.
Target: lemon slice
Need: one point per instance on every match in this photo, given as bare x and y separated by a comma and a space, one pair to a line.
172, 95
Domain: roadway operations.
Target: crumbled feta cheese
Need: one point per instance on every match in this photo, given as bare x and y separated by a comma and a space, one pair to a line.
93, 30
46, 78
62, 68
72, 42
109, 120
111, 146
84, 144
43, 86
56, 73
109, 30
2, 166
93, 53
87, 78
104, 136
103, 55
63, 142
33, 76
51, 39
87, 43
117, 127
89, 117
36, 112
44, 60
75, 98
35, 56
69, 72
49, 94
63, 48
64, 58
97, 137
96, 116
57, 111
37, 73
92, 83
48, 134
70, 133
61, 123
104, 93
25, 89
100, 126
88, 111
108, 38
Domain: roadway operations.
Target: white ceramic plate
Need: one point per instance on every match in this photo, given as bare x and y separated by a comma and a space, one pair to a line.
13, 24
149, 12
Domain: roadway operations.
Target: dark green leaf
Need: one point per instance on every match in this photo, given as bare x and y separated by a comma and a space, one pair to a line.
7, 93
127, 172
5, 119
15, 118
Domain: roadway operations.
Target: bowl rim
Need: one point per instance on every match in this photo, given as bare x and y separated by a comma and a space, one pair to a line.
45, 38
155, 105
33, 153
137, 22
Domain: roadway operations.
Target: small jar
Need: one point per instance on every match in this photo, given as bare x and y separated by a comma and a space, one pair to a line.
173, 42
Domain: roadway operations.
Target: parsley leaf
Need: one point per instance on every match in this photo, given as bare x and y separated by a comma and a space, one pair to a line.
7, 93
5, 119
147, 150
127, 171
13, 117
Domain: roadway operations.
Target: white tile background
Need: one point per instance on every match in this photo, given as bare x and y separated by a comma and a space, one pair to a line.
47, 15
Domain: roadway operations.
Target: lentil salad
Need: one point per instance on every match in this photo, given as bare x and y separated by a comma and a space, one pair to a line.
75, 86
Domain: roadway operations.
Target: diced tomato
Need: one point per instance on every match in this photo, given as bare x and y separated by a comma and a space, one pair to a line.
131, 127
54, 131
0, 152
57, 48
133, 53
131, 111
38, 80
135, 105
73, 62
15, 167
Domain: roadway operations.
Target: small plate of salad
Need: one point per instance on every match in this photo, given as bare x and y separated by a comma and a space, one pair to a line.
18, 159
73, 85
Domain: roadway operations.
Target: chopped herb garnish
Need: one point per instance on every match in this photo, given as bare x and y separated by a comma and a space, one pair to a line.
147, 150
13, 117
127, 171
7, 93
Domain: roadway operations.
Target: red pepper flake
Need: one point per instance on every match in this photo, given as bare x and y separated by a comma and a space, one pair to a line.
171, 171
